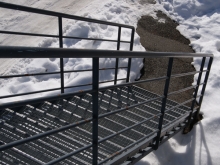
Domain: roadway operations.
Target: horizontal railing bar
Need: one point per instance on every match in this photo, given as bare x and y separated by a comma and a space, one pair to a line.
119, 132
28, 34
132, 83
60, 96
179, 105
41, 135
184, 74
32, 74
113, 68
41, 91
86, 70
94, 39
182, 90
78, 85
118, 152
48, 73
68, 155
56, 36
100, 89
103, 88
178, 118
29, 93
42, 99
70, 71
111, 80
129, 107
52, 13
38, 52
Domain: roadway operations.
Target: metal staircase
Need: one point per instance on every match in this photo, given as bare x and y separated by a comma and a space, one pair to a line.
124, 128
117, 124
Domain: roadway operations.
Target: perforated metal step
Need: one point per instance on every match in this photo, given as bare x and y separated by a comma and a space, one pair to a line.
122, 128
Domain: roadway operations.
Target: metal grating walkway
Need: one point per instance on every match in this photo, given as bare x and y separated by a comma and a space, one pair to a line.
122, 127
102, 125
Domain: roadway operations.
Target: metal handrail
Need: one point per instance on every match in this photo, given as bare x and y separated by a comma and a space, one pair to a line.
33, 52
60, 17
36, 52
57, 14
57, 36
24, 52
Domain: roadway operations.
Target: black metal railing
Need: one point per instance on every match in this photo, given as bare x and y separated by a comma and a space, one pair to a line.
22, 52
152, 139
60, 36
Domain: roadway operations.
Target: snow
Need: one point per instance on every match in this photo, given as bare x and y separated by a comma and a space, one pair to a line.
113, 11
199, 21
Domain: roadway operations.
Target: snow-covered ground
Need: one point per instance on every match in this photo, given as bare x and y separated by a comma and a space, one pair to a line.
113, 11
199, 21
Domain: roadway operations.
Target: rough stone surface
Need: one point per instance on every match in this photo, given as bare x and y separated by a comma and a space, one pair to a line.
162, 36
147, 1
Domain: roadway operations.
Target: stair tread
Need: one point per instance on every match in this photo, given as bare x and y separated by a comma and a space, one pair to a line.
31, 120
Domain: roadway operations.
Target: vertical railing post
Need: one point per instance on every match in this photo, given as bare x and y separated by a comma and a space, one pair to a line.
61, 59
204, 86
95, 86
116, 61
164, 100
187, 128
129, 60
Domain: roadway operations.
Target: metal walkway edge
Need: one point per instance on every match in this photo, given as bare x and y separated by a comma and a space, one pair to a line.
124, 129
95, 124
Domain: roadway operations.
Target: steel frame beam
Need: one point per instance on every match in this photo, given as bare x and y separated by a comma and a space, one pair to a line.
36, 52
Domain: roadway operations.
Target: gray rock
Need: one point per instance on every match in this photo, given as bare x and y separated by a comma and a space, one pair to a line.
147, 1
164, 37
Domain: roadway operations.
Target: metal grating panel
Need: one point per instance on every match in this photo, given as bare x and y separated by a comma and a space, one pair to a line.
118, 132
